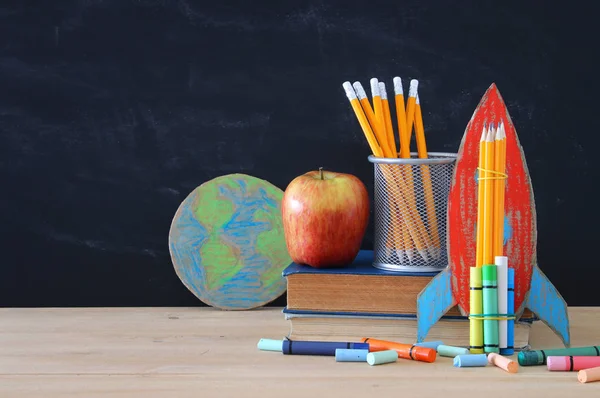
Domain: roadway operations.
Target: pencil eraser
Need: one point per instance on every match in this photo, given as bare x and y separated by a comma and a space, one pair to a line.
349, 91
374, 87
398, 86
382, 91
360, 91
412, 90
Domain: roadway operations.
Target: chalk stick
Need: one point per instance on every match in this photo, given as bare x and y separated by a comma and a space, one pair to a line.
502, 362
381, 357
350, 355
470, 360
490, 307
449, 351
569, 363
510, 308
502, 268
589, 375
327, 348
430, 344
270, 345
538, 357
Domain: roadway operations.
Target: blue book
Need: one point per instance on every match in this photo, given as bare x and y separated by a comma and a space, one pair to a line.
308, 325
362, 265
358, 287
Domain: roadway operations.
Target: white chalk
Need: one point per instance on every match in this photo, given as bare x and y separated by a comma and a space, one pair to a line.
502, 270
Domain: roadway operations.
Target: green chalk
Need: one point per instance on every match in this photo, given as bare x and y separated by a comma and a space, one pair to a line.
380, 357
490, 307
270, 345
449, 351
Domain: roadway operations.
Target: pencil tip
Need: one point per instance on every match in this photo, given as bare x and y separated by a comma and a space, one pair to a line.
483, 133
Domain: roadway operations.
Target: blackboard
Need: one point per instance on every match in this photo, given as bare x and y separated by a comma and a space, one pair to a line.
112, 111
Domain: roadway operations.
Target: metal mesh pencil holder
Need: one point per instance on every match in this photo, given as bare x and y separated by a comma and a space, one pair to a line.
411, 199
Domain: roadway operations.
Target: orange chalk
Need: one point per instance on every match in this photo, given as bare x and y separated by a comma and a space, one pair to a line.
406, 351
589, 375
503, 362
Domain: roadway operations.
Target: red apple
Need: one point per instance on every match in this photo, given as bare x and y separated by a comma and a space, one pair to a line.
325, 216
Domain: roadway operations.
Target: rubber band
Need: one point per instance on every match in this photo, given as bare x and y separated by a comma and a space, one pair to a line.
492, 317
502, 176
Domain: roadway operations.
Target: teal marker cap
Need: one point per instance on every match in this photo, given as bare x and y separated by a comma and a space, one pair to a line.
489, 272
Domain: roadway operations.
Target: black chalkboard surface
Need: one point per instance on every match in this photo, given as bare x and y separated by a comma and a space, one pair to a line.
112, 111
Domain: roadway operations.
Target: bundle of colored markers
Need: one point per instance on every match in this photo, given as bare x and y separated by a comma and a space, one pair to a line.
408, 235
491, 281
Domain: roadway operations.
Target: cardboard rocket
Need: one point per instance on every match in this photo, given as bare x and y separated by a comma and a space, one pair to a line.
532, 289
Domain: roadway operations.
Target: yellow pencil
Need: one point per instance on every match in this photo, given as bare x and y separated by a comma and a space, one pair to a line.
400, 112
426, 176
362, 119
387, 119
392, 238
480, 199
401, 120
499, 186
419, 234
379, 119
397, 222
368, 110
410, 114
488, 199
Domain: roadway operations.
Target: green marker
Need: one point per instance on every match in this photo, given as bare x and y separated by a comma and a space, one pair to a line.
490, 308
538, 357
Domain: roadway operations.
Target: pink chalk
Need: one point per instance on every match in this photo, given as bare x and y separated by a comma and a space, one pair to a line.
572, 363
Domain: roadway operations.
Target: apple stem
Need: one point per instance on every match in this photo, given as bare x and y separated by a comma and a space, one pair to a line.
321, 172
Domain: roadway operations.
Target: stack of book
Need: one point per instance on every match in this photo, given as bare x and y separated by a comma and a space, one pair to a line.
359, 300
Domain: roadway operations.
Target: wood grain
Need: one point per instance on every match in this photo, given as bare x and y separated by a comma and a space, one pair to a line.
206, 352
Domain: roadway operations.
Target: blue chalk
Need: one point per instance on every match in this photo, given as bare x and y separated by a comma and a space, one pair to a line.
350, 355
430, 344
510, 324
461, 361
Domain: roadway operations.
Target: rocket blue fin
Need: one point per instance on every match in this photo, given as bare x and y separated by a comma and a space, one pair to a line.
433, 302
547, 304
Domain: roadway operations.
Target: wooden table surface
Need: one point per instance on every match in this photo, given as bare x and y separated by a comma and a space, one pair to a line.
205, 352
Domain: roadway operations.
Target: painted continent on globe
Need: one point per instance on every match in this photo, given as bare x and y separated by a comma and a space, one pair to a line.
227, 242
